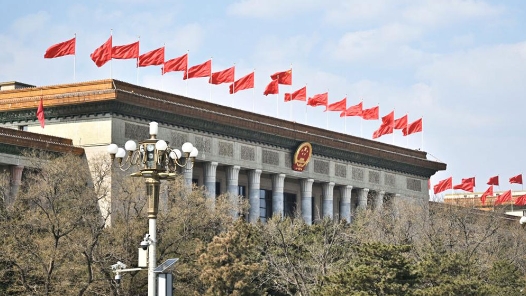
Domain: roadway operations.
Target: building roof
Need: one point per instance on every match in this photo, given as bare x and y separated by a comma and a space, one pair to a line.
15, 142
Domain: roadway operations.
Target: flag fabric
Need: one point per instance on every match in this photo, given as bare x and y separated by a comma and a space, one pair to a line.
225, 76
494, 181
152, 58
506, 196
472, 180
318, 100
176, 64
299, 95
40, 113
388, 119
383, 130
371, 113
401, 122
201, 70
466, 185
102, 54
124, 52
443, 185
337, 106
284, 77
355, 110
272, 88
488, 192
61, 49
242, 83
413, 127
517, 179
521, 200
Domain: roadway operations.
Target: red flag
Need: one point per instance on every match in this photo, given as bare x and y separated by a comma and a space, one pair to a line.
521, 200
401, 122
383, 130
494, 181
517, 179
413, 127
388, 119
337, 106
40, 113
371, 113
102, 54
355, 110
466, 185
224, 76
176, 64
299, 95
488, 192
201, 70
443, 185
242, 83
152, 58
472, 180
506, 196
272, 88
284, 77
318, 100
124, 52
61, 49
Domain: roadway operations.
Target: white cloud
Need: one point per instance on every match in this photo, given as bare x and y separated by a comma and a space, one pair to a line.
271, 8
273, 48
30, 23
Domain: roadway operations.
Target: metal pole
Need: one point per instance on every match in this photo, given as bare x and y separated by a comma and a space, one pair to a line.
152, 192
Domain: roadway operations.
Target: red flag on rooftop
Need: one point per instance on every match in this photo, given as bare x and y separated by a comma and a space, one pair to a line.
272, 88
466, 185
318, 100
176, 64
201, 70
383, 130
152, 58
388, 119
124, 52
488, 192
506, 196
40, 113
371, 113
443, 185
472, 180
299, 95
284, 77
355, 110
494, 181
225, 76
516, 179
413, 127
401, 122
242, 83
102, 54
337, 106
61, 49
521, 200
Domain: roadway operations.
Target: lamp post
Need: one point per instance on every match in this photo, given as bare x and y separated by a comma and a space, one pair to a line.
156, 161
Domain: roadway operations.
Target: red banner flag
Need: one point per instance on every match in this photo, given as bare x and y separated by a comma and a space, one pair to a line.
102, 54
371, 113
337, 106
383, 130
61, 49
201, 70
355, 110
388, 119
152, 58
284, 77
318, 100
242, 83
272, 88
225, 76
40, 113
466, 185
124, 52
494, 181
413, 127
488, 192
521, 200
299, 95
506, 196
176, 64
472, 180
443, 185
517, 179
401, 122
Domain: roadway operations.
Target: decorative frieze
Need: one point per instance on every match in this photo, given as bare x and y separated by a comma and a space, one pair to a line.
390, 180
226, 149
178, 139
374, 177
414, 184
248, 153
270, 157
203, 144
340, 170
357, 174
135, 131
321, 167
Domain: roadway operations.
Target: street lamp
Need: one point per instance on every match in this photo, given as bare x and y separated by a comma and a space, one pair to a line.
156, 161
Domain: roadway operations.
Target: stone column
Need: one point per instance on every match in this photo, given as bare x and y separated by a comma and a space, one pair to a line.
379, 200
327, 204
188, 172
306, 200
15, 180
210, 180
232, 181
345, 203
254, 180
278, 182
362, 199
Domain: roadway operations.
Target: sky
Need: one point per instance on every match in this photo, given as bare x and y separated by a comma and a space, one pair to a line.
458, 64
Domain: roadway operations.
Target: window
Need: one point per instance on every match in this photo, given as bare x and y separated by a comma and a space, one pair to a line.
289, 207
218, 189
242, 191
22, 128
265, 204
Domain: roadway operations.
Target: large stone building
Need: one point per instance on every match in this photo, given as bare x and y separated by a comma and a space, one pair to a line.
239, 152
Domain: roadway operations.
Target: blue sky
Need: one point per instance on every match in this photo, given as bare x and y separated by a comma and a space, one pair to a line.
459, 64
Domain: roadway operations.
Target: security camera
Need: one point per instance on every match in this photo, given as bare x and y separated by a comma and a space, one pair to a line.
118, 278
119, 265
145, 242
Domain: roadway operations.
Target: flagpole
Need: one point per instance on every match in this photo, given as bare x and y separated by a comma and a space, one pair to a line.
361, 124
277, 105
138, 58
210, 79
254, 94
75, 60
186, 73
422, 132
233, 87
306, 100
